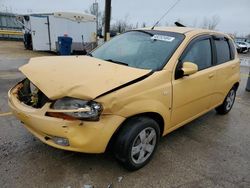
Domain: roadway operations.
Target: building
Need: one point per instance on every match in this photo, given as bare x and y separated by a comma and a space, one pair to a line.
10, 28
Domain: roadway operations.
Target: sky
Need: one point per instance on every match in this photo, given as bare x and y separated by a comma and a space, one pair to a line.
233, 15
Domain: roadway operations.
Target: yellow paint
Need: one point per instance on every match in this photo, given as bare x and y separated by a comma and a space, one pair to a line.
10, 32
176, 101
189, 68
81, 73
5, 114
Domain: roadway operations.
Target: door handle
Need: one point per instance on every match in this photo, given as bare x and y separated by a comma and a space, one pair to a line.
210, 75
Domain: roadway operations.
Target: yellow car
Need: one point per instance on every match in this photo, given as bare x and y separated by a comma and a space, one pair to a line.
129, 92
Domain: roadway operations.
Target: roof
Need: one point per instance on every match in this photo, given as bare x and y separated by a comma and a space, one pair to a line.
171, 29
183, 30
80, 17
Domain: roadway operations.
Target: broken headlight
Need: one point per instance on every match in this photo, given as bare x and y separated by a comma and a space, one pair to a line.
30, 95
79, 109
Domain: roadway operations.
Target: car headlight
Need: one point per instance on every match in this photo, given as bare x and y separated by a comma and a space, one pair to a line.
80, 109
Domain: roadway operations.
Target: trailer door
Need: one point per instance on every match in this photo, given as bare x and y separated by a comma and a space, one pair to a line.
40, 33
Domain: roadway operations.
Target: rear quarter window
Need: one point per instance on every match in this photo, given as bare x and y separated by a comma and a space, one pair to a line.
222, 50
232, 48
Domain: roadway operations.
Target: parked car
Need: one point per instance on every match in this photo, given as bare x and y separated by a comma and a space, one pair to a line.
136, 88
248, 46
241, 47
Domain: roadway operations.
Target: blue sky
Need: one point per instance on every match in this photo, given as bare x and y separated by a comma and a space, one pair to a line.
234, 15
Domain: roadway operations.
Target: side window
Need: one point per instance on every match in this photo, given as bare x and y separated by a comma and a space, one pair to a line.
200, 53
222, 50
232, 49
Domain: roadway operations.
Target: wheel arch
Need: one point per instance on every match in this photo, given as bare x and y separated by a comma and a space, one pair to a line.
236, 85
153, 115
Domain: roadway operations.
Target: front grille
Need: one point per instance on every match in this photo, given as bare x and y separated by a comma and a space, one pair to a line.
31, 95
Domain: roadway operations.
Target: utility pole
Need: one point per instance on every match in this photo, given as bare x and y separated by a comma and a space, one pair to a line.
95, 8
107, 18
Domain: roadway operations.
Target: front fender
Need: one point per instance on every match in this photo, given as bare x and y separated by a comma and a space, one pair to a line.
143, 106
153, 94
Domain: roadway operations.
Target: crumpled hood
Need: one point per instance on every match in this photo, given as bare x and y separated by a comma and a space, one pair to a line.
77, 76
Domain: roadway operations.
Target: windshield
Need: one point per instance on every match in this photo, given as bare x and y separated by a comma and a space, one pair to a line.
140, 49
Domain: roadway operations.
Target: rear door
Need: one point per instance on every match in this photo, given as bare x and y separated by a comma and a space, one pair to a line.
40, 33
192, 94
227, 68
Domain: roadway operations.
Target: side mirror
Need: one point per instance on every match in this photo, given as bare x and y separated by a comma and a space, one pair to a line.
189, 68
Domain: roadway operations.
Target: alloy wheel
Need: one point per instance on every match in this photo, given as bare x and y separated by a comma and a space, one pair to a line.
143, 145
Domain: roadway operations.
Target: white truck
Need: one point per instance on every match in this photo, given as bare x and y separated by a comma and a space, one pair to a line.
41, 31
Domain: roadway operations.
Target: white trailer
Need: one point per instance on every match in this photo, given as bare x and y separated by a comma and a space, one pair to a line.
44, 30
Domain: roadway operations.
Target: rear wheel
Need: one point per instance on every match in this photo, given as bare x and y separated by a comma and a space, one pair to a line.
136, 142
227, 105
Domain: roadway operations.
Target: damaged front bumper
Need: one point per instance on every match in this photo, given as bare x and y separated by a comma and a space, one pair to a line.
74, 135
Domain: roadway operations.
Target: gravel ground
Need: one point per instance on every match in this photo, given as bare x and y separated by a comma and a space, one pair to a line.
212, 151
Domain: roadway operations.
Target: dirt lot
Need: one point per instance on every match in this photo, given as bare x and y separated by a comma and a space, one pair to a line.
212, 151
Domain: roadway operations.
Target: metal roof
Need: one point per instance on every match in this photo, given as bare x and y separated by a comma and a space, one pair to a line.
80, 17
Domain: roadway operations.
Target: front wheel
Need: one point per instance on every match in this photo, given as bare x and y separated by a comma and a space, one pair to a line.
227, 104
136, 142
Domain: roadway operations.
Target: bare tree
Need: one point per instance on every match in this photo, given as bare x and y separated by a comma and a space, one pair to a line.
235, 34
137, 25
91, 10
204, 24
214, 22
121, 25
210, 23
248, 36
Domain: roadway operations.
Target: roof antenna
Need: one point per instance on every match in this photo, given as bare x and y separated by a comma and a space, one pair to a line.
166, 13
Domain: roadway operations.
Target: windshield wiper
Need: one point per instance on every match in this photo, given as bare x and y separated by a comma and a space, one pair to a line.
117, 62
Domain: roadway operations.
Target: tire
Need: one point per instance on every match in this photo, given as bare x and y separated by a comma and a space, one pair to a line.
133, 146
228, 103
